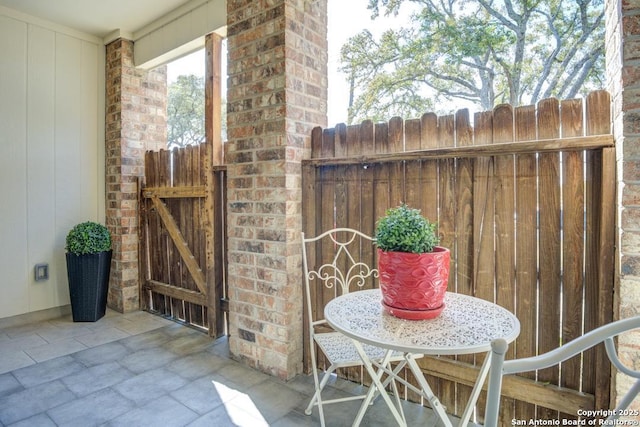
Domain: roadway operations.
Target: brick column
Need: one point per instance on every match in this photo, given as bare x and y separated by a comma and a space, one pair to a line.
135, 121
277, 93
623, 82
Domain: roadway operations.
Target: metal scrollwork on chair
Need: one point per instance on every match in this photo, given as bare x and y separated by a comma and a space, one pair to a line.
342, 270
357, 273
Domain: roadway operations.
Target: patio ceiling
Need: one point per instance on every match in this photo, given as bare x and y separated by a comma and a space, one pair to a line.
97, 17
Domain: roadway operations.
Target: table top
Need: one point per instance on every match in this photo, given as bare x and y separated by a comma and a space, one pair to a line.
466, 325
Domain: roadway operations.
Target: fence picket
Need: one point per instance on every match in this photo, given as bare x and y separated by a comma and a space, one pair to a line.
395, 143
464, 228
550, 248
178, 211
447, 203
526, 247
503, 131
341, 195
352, 179
598, 114
573, 217
167, 247
484, 212
412, 134
412, 168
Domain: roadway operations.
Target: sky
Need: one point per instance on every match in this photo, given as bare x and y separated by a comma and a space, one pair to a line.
346, 18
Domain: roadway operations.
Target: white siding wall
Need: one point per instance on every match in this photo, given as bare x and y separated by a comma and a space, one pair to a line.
51, 154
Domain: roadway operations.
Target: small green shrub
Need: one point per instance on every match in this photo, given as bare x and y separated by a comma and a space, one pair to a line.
404, 229
88, 238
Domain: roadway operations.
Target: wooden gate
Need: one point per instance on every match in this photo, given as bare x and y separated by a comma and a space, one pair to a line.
182, 238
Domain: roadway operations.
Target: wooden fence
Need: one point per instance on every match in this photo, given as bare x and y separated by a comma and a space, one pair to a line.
183, 238
525, 200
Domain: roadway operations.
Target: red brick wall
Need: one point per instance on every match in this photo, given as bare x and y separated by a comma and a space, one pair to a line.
277, 93
623, 82
135, 121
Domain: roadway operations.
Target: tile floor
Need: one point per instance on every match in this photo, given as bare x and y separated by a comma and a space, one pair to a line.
138, 369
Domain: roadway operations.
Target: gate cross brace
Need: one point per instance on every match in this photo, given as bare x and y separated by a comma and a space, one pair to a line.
181, 244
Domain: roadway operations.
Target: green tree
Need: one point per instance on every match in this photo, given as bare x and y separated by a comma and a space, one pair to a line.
185, 111
482, 52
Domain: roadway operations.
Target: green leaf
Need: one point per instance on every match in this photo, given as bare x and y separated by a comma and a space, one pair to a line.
88, 238
404, 229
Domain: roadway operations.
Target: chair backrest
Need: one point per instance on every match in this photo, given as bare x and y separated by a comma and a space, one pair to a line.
605, 333
336, 262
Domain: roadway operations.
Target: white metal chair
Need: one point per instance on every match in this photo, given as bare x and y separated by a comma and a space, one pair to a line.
606, 334
341, 270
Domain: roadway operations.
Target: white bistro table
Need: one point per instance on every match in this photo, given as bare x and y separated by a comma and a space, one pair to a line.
466, 325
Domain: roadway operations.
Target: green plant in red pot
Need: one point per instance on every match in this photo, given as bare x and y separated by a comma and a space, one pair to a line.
413, 269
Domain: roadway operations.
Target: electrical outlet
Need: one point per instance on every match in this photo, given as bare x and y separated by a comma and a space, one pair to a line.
41, 272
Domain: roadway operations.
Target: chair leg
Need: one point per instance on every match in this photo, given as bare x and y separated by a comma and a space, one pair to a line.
317, 396
498, 350
626, 401
319, 387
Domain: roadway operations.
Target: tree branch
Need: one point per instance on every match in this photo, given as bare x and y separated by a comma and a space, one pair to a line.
500, 17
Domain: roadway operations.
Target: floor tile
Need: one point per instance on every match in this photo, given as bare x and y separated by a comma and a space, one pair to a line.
55, 349
176, 329
239, 375
148, 359
220, 348
301, 383
65, 320
82, 412
244, 411
96, 378
102, 336
118, 322
22, 342
33, 401
138, 324
40, 420
217, 417
61, 331
9, 384
149, 385
296, 419
102, 354
23, 330
273, 399
189, 344
226, 391
165, 412
225, 416
198, 365
200, 396
47, 371
14, 359
151, 339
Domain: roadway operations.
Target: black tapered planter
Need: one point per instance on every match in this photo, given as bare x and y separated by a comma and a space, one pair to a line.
88, 285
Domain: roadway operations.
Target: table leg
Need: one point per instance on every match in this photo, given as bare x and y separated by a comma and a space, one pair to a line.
426, 390
475, 393
377, 385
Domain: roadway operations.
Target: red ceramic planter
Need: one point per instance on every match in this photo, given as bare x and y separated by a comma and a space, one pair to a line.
414, 282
